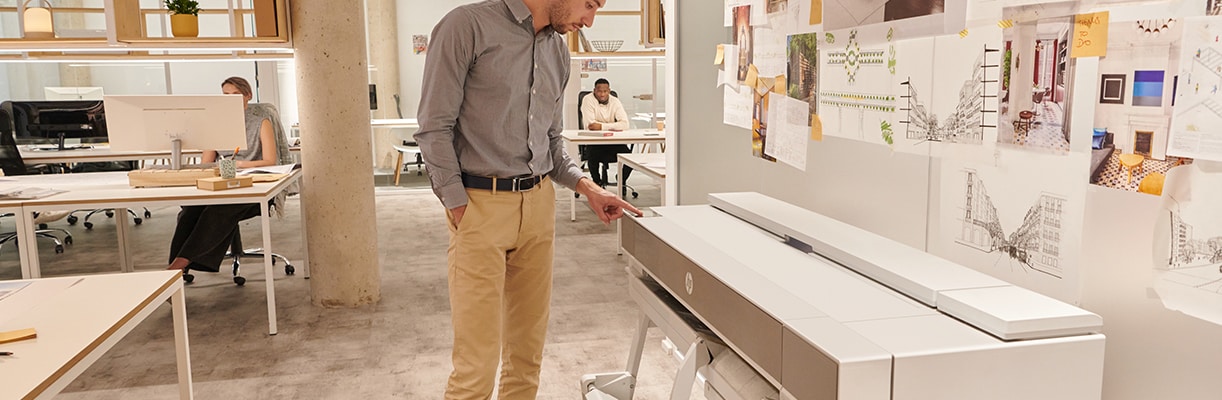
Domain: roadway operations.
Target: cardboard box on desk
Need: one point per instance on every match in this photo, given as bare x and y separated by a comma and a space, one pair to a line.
219, 183
168, 177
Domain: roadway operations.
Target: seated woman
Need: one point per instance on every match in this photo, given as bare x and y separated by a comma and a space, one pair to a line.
205, 232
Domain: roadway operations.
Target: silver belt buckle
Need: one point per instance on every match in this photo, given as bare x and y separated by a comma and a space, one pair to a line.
517, 184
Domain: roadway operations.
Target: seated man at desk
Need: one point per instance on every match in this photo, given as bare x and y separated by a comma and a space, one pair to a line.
600, 111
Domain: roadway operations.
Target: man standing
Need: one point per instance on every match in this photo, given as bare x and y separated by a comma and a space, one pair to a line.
490, 123
602, 111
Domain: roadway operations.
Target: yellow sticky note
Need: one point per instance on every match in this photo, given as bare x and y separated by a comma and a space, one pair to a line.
753, 76
17, 335
1005, 23
779, 86
963, 33
816, 12
721, 55
1089, 38
763, 85
816, 128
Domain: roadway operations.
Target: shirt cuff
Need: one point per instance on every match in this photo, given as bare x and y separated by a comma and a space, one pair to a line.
452, 195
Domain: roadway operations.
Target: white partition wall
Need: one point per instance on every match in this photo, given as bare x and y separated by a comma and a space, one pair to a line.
1160, 322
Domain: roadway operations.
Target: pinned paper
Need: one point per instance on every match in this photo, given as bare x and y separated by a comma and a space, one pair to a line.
778, 85
753, 75
816, 128
764, 85
1090, 35
721, 55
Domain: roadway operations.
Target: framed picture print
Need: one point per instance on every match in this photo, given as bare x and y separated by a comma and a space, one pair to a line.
1111, 89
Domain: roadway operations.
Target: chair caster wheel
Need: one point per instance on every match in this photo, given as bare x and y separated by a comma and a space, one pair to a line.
239, 280
42, 226
576, 195
110, 214
148, 214
138, 221
72, 219
289, 270
88, 225
188, 278
67, 239
634, 195
59, 249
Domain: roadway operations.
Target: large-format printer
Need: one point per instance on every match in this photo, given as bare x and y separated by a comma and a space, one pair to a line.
768, 300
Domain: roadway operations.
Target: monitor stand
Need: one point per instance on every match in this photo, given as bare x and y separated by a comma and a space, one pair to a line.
176, 154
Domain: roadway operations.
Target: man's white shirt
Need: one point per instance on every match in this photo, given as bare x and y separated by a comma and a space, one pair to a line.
611, 115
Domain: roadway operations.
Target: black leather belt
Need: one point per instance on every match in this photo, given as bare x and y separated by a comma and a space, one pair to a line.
519, 184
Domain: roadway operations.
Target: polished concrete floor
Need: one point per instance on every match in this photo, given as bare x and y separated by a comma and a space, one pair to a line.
398, 348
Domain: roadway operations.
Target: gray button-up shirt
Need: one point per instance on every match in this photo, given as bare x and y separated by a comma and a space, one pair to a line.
492, 99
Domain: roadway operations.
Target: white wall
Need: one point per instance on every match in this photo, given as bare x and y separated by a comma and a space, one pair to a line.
416, 17
628, 77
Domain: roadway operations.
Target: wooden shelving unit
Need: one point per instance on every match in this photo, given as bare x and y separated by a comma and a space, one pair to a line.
129, 36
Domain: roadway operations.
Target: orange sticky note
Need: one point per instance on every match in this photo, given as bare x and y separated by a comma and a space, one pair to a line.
816, 12
779, 86
1089, 37
816, 128
753, 75
721, 55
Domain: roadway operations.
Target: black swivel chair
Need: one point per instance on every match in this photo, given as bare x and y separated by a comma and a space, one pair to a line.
12, 164
600, 156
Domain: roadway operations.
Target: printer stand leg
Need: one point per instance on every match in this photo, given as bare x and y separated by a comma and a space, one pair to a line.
619, 385
697, 356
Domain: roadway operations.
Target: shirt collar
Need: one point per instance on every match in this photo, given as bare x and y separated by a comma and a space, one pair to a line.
521, 14
518, 9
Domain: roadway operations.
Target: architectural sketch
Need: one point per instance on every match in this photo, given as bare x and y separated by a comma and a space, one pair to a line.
1036, 244
968, 121
1189, 251
853, 58
913, 17
1197, 113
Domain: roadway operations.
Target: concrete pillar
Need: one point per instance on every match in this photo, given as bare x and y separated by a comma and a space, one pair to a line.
333, 103
384, 58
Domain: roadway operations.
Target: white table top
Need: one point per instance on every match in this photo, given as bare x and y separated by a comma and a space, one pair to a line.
654, 163
615, 137
72, 316
95, 154
108, 187
394, 123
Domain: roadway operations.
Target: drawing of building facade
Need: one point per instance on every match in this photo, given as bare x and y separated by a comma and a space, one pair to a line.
1187, 251
1036, 243
980, 223
966, 123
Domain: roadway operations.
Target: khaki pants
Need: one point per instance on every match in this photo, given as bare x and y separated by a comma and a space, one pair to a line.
500, 266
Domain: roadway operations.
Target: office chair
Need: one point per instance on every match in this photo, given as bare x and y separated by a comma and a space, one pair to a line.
601, 156
412, 148
12, 165
236, 251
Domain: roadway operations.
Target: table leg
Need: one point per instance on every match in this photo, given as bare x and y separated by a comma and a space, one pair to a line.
125, 254
269, 277
619, 191
573, 206
27, 244
178, 303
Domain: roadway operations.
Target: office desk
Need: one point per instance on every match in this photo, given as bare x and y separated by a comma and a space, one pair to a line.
110, 190
78, 319
96, 154
650, 164
572, 138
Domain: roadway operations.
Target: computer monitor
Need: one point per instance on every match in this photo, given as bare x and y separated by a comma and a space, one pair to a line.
54, 122
167, 122
73, 93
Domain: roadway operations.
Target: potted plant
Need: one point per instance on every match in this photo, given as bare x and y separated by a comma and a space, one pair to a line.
184, 17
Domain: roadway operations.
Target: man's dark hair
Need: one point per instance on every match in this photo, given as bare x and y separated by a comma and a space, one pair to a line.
602, 81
